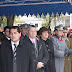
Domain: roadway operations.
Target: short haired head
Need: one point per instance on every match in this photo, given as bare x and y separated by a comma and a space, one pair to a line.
6, 27
30, 27
15, 27
42, 29
32, 33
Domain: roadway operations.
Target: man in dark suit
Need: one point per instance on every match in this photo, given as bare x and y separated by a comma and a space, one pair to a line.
38, 49
15, 55
6, 36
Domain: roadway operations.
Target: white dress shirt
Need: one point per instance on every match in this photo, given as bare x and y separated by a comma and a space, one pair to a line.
13, 45
8, 38
32, 40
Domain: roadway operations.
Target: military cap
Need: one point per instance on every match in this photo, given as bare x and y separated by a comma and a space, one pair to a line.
59, 27
65, 29
25, 26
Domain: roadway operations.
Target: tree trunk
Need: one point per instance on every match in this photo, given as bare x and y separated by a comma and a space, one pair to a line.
10, 20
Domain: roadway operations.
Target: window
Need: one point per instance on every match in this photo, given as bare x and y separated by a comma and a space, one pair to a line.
67, 21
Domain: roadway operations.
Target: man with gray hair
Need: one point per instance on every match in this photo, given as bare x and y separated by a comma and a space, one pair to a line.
39, 50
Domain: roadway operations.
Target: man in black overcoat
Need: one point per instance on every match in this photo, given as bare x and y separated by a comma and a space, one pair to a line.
6, 36
38, 47
15, 55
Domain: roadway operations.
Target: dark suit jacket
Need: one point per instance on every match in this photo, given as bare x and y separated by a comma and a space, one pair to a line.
42, 52
25, 62
5, 39
50, 66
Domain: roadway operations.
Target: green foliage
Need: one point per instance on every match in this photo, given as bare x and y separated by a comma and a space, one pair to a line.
62, 16
47, 21
42, 16
18, 20
52, 16
25, 14
57, 15
3, 22
38, 16
33, 15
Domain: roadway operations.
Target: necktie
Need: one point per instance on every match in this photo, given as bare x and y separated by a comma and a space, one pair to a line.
36, 52
34, 43
14, 59
14, 51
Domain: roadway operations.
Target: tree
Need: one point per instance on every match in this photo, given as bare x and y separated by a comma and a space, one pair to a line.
38, 16
47, 21
18, 20
62, 17
3, 22
42, 16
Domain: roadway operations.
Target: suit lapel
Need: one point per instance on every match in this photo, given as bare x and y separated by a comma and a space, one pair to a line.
39, 45
30, 43
10, 48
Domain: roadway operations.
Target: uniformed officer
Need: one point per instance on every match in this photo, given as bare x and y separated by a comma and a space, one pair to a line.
71, 48
67, 65
24, 30
60, 48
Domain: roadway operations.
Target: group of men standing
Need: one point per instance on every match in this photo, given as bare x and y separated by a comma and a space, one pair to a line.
27, 55
31, 54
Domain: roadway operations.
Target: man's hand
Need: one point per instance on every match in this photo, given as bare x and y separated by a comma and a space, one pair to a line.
40, 65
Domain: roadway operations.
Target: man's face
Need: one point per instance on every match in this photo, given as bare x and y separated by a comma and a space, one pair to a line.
64, 34
44, 35
7, 32
59, 33
24, 31
32, 32
14, 35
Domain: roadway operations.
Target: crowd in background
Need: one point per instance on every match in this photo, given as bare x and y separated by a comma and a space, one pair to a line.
23, 49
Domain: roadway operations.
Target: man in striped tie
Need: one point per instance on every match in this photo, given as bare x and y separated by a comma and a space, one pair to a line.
15, 55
